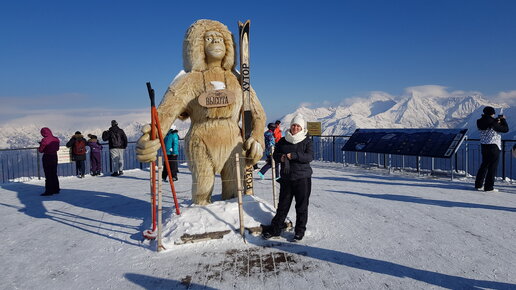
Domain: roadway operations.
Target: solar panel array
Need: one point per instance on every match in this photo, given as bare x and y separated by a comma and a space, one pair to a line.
440, 143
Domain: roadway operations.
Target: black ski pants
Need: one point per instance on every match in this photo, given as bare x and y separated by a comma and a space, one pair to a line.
174, 169
268, 165
80, 167
50, 169
487, 172
300, 190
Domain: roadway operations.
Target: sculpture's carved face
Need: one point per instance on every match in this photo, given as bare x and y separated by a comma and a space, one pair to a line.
214, 47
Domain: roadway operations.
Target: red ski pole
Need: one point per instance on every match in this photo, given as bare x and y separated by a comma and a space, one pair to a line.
167, 165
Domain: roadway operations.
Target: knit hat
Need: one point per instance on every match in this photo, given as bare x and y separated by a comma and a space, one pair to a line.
298, 119
489, 111
77, 133
114, 123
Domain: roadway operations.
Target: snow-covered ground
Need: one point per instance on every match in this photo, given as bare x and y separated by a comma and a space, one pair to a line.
366, 230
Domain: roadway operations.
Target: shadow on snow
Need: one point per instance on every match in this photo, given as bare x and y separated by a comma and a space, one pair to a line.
384, 267
436, 202
109, 203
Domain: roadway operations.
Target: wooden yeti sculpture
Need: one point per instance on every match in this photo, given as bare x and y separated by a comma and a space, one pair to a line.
214, 135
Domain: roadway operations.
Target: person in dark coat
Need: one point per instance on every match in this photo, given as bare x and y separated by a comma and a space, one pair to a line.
295, 153
77, 144
117, 144
95, 155
490, 146
49, 146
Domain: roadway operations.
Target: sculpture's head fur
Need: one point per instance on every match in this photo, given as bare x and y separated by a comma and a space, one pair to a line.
193, 46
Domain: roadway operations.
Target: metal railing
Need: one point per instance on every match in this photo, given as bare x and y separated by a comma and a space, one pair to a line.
25, 163
466, 161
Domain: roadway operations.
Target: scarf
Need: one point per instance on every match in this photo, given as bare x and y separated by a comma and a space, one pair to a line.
294, 139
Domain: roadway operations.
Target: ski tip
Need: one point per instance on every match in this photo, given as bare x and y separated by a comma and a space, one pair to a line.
244, 24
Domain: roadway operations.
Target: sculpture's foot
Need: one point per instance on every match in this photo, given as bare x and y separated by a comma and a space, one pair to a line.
202, 200
228, 196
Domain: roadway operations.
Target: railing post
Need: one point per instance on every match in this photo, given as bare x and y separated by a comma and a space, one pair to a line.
456, 162
38, 164
384, 160
433, 166
451, 165
503, 160
333, 150
466, 159
321, 157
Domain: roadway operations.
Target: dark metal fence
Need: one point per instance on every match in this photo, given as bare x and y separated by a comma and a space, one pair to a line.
466, 161
25, 163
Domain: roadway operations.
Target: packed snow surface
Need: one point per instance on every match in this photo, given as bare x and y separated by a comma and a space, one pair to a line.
367, 230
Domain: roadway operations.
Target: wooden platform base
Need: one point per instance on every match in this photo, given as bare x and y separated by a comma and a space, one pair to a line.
255, 231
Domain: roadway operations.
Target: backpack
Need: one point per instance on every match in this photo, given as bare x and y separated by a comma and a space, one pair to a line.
79, 148
116, 140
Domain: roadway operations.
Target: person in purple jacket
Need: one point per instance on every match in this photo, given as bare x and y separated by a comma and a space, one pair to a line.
49, 146
95, 152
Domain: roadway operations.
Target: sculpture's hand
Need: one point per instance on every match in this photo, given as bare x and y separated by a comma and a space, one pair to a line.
254, 151
147, 149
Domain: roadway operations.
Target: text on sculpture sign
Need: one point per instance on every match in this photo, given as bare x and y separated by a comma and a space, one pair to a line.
216, 98
245, 77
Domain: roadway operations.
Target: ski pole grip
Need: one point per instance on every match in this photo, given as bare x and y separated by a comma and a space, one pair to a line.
151, 94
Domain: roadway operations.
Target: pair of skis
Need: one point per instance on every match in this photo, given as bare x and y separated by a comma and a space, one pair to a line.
156, 127
247, 117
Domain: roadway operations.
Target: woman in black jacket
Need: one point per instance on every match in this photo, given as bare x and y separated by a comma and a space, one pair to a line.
295, 153
490, 146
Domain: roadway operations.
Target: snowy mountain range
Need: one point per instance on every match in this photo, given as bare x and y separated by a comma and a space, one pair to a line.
414, 111
376, 111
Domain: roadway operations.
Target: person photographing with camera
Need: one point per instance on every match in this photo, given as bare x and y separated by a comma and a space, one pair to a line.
490, 145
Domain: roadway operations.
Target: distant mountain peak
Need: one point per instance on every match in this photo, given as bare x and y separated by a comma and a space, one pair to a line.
411, 111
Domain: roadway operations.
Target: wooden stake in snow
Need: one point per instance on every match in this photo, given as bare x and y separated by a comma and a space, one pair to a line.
273, 164
160, 209
240, 190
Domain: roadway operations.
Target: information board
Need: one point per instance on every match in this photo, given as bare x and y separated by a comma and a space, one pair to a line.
441, 143
314, 128
63, 155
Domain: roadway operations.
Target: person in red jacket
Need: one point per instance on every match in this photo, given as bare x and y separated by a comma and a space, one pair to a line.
49, 146
277, 131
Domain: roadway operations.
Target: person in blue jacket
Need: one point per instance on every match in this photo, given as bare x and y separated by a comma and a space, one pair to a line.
172, 146
269, 144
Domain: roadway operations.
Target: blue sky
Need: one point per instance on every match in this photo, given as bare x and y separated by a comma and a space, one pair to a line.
97, 55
